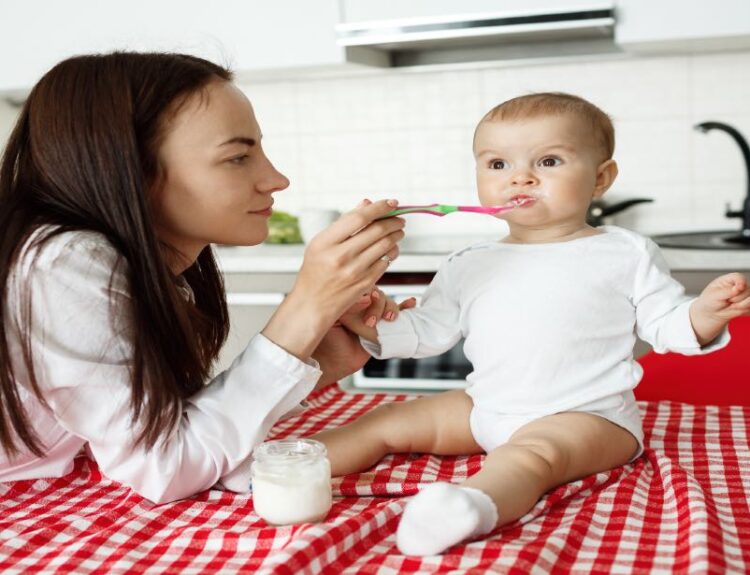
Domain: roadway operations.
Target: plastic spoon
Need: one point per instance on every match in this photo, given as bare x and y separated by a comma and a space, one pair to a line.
445, 209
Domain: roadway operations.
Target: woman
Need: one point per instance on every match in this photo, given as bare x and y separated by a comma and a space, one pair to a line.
121, 171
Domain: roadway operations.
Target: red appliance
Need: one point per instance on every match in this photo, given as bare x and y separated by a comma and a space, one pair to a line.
719, 378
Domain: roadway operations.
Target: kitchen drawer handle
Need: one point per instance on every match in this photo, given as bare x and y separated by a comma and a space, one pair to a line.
255, 298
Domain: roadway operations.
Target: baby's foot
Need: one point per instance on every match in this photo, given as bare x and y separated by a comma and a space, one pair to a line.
442, 515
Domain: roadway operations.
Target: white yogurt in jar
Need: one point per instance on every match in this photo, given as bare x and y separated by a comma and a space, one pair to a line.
291, 481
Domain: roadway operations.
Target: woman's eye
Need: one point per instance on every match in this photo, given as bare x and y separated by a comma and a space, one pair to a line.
238, 159
498, 164
550, 162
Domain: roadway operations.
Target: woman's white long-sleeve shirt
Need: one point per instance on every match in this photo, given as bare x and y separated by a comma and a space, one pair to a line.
82, 347
549, 327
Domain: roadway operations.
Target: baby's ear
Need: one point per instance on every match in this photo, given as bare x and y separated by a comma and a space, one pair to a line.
606, 174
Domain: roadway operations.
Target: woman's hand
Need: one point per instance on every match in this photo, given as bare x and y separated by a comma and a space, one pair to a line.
340, 352
340, 263
725, 298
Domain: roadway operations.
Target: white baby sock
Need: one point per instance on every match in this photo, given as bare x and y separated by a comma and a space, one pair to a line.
442, 515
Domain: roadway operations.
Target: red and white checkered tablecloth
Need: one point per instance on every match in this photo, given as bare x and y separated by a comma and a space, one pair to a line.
682, 507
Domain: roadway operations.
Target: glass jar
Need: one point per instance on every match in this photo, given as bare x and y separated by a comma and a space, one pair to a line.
291, 481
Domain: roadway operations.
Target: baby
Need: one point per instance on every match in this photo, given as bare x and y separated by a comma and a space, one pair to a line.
550, 315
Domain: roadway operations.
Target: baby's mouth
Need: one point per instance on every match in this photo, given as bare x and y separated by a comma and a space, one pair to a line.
520, 200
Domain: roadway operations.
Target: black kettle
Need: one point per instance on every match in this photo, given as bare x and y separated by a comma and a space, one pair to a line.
600, 209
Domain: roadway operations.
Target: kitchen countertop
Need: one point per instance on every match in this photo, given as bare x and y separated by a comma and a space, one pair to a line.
424, 254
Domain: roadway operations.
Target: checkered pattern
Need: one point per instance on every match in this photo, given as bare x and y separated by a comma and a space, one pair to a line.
682, 507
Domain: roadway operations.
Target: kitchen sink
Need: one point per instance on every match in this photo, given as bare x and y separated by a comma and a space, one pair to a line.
712, 240
719, 239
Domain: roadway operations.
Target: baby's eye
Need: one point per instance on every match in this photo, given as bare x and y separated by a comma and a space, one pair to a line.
550, 161
498, 164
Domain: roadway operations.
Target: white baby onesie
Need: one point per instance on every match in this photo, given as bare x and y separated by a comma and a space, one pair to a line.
549, 327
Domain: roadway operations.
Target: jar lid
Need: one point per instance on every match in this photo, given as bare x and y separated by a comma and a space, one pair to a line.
289, 450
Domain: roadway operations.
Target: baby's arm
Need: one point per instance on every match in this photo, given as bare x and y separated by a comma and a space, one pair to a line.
724, 299
427, 330
666, 317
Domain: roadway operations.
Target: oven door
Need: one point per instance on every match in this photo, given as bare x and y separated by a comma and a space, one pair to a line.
445, 371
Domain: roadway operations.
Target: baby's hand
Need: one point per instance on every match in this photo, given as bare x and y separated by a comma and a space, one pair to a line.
383, 307
725, 298
371, 308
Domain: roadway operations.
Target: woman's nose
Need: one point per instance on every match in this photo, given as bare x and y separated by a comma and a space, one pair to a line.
272, 180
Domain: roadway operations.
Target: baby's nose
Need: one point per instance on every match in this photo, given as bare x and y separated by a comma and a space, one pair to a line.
523, 178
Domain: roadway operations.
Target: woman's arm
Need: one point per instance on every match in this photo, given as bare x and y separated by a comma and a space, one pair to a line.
82, 344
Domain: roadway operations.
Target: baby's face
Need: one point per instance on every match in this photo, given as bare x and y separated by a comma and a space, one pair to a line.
552, 159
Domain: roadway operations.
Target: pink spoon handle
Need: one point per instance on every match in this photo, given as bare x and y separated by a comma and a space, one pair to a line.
443, 209
486, 209
492, 210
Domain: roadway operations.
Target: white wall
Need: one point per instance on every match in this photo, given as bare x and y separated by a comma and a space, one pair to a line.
407, 134
8, 116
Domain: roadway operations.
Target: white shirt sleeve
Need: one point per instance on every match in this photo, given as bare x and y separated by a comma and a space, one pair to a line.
663, 309
427, 330
82, 348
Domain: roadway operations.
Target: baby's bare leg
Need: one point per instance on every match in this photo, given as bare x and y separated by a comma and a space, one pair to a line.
546, 453
539, 456
435, 424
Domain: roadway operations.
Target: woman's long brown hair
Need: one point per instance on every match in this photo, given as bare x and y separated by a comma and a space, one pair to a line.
83, 156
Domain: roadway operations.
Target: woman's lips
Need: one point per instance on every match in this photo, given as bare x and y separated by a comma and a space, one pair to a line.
266, 212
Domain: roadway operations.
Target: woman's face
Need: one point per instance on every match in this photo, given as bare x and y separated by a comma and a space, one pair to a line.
217, 183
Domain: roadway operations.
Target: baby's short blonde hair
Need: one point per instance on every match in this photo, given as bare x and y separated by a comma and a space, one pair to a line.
559, 104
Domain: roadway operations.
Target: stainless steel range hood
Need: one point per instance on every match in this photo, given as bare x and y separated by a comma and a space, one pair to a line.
480, 37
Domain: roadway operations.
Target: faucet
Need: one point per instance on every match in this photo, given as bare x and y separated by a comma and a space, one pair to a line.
744, 213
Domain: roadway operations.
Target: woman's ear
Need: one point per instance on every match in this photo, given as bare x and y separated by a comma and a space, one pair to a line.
606, 174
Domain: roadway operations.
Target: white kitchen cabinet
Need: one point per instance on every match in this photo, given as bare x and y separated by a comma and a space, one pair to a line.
248, 315
248, 35
252, 299
681, 25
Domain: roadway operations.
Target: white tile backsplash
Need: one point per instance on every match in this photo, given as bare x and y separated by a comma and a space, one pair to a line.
407, 134
624, 88
276, 105
432, 100
651, 152
334, 105
720, 83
